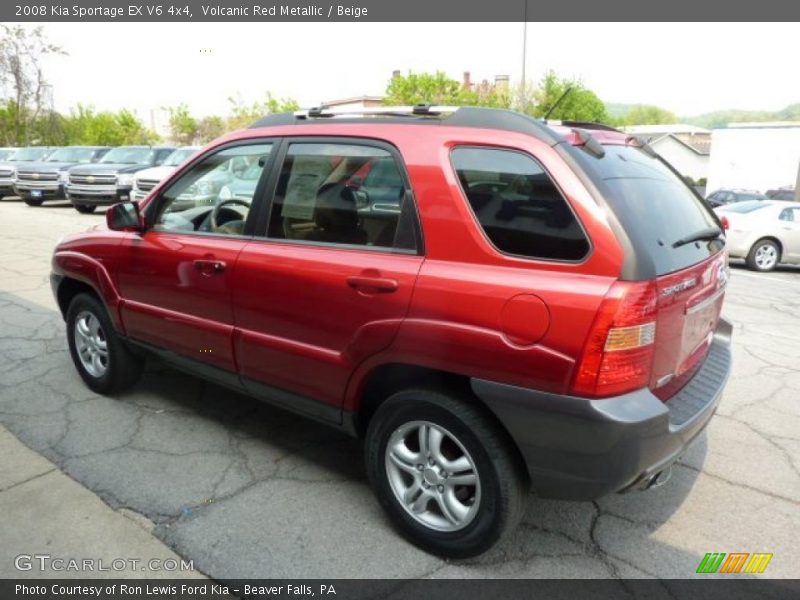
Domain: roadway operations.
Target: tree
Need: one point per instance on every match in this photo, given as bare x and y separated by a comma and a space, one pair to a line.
182, 125
647, 114
84, 126
209, 128
419, 88
21, 52
580, 104
438, 88
243, 115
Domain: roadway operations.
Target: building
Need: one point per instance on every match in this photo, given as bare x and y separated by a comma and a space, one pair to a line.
755, 156
685, 147
485, 87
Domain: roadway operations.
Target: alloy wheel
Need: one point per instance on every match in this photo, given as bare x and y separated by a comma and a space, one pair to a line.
433, 476
90, 342
766, 256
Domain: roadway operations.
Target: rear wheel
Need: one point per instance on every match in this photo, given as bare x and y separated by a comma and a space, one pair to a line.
763, 256
85, 208
444, 473
33, 202
104, 363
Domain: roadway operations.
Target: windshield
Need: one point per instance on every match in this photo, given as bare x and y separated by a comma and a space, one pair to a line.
746, 207
177, 157
29, 154
654, 206
72, 155
5, 154
130, 155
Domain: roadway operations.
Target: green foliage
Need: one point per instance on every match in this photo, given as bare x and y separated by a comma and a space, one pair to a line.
84, 126
721, 118
647, 114
580, 104
21, 52
243, 114
418, 88
182, 125
438, 88
209, 128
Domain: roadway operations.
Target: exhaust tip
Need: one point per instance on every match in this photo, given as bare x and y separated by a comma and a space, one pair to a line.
660, 478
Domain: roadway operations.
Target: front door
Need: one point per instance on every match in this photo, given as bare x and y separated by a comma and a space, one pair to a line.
175, 278
331, 280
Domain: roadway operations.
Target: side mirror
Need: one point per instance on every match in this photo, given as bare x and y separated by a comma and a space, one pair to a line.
124, 216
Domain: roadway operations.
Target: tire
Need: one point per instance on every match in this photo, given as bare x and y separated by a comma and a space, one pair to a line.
118, 368
32, 202
85, 209
763, 256
484, 511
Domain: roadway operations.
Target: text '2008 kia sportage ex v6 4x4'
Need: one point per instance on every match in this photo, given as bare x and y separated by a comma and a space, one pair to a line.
494, 303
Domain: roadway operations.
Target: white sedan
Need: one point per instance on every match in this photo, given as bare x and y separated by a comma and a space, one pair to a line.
763, 232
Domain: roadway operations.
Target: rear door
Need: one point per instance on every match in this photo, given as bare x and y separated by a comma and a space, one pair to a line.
331, 279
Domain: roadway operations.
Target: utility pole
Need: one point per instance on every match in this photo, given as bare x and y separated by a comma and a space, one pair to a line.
524, 53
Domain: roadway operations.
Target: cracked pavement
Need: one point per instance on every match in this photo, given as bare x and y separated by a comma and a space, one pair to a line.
246, 490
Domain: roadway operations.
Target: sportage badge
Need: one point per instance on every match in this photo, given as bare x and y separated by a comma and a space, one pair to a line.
679, 287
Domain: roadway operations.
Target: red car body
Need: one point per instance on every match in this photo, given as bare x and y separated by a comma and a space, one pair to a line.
320, 329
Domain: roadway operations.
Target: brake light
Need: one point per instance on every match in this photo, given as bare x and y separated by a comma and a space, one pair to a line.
725, 223
618, 356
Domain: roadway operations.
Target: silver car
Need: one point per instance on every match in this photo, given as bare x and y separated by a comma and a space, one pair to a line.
763, 232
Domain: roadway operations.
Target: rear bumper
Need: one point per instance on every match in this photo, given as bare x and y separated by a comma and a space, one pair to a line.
581, 449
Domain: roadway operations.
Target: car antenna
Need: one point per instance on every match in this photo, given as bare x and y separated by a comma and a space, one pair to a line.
556, 103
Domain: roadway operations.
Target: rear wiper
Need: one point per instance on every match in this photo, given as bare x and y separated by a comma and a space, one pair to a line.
709, 233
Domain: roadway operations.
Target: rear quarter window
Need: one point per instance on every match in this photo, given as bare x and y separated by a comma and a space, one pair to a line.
654, 206
517, 205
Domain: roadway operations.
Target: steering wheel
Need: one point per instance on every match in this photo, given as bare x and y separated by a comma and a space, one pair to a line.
215, 212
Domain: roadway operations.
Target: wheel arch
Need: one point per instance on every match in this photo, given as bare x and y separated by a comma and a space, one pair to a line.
386, 379
769, 238
80, 273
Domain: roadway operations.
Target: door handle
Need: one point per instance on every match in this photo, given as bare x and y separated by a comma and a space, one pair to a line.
372, 284
209, 267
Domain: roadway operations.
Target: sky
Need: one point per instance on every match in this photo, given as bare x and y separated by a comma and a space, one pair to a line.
686, 68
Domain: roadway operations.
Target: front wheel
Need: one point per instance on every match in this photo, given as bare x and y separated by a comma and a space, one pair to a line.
763, 256
104, 363
444, 472
85, 209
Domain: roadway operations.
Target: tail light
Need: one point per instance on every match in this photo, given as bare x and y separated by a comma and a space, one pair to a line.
618, 355
725, 223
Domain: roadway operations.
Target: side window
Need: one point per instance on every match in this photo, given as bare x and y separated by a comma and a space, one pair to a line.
215, 195
517, 204
342, 194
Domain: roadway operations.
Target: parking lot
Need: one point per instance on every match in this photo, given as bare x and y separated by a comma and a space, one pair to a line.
246, 490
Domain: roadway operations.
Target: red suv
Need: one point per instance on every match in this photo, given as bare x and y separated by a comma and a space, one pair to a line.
493, 303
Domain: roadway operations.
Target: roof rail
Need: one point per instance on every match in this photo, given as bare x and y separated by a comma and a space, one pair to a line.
418, 110
464, 116
587, 125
